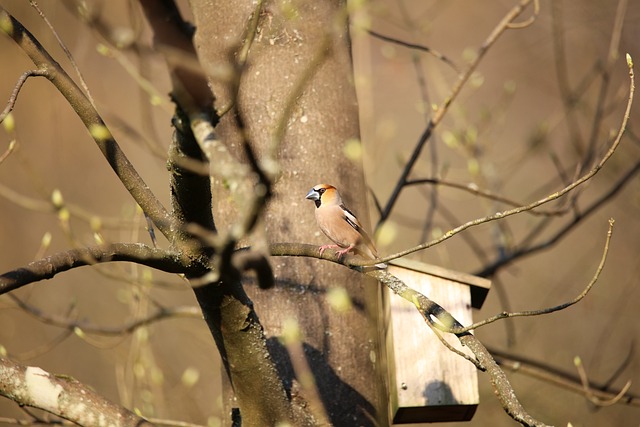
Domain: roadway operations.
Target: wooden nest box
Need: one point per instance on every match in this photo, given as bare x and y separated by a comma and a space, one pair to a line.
426, 381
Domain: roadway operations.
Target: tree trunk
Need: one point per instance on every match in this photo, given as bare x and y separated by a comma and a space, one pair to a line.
295, 41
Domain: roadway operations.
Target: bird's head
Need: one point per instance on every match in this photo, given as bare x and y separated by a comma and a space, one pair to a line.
324, 195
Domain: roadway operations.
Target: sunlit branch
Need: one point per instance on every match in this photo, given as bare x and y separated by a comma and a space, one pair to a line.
59, 395
50, 266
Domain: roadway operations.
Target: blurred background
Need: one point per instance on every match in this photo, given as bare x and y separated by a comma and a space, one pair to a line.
543, 100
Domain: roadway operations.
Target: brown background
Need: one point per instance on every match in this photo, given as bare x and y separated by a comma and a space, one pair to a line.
145, 371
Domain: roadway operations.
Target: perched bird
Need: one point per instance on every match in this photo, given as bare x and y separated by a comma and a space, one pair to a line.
339, 224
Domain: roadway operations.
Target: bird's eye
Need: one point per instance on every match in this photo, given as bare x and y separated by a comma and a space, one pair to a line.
321, 191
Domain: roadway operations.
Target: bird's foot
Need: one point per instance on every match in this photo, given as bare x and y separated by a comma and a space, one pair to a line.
325, 247
343, 251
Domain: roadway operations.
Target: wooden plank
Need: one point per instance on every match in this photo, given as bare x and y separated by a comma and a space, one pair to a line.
479, 285
427, 382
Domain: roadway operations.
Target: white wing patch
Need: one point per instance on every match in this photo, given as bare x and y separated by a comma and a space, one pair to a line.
351, 219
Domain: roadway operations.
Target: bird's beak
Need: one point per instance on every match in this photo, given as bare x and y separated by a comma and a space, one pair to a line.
313, 195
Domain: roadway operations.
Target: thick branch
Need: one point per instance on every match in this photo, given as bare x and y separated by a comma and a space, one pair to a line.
48, 267
62, 396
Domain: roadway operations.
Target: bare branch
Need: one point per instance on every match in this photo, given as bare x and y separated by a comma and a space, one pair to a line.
47, 346
540, 202
8, 151
91, 119
65, 50
529, 21
559, 378
83, 327
472, 188
293, 341
16, 90
436, 331
585, 291
32, 386
423, 48
526, 249
444, 107
76, 211
589, 393
48, 267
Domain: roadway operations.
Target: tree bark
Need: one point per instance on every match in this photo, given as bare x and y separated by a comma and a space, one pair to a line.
311, 42
62, 396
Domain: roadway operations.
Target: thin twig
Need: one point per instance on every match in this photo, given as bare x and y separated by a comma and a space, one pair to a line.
430, 322
420, 47
612, 56
589, 393
46, 346
556, 377
76, 211
472, 188
292, 339
432, 205
549, 310
16, 90
92, 120
444, 106
73, 325
527, 249
8, 151
562, 76
529, 21
66, 51
540, 202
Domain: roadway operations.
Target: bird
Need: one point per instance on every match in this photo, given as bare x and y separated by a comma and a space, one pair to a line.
339, 224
